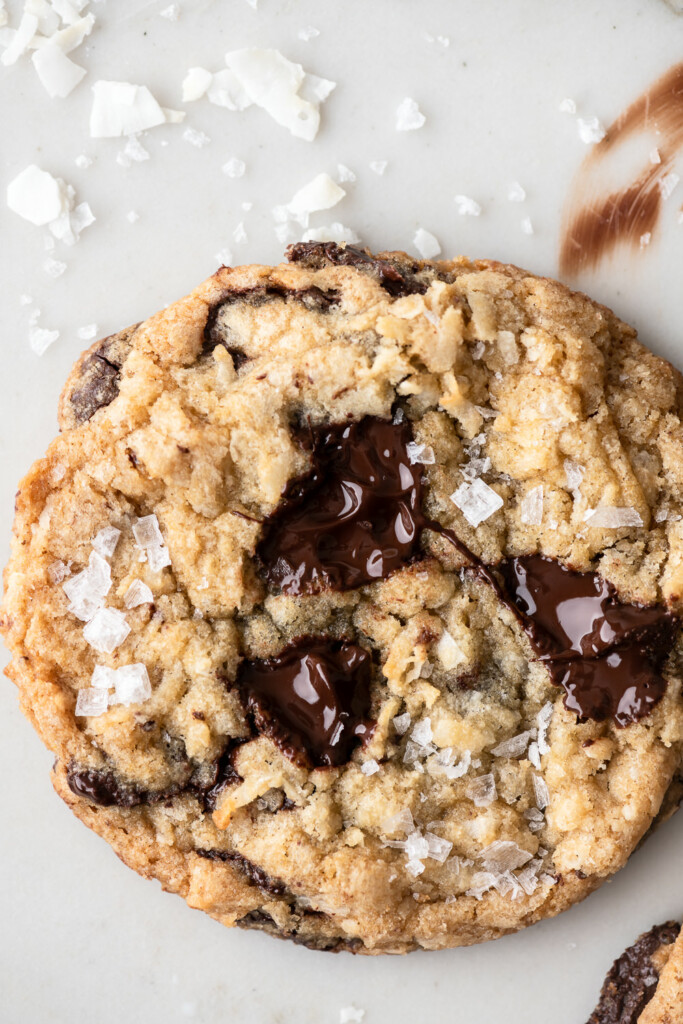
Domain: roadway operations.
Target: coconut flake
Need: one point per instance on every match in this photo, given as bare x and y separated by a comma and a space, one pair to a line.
23, 36
91, 702
106, 540
482, 790
609, 517
321, 193
370, 767
590, 130
426, 244
477, 501
106, 630
196, 83
273, 83
122, 108
37, 197
467, 206
408, 116
132, 685
531, 507
57, 73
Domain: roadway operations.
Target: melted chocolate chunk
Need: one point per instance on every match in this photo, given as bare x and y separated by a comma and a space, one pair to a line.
354, 519
103, 788
397, 276
607, 655
256, 875
225, 774
312, 699
99, 376
632, 980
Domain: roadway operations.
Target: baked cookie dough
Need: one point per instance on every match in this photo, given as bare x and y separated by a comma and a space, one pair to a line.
348, 597
645, 984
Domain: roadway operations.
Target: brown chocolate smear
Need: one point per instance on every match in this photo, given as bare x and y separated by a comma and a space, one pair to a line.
606, 654
102, 787
396, 275
354, 518
99, 376
632, 979
312, 699
598, 219
256, 875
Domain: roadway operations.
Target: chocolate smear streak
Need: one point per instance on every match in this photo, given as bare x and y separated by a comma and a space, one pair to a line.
599, 218
312, 699
632, 979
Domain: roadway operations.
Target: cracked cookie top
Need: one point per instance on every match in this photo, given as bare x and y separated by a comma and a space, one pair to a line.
348, 597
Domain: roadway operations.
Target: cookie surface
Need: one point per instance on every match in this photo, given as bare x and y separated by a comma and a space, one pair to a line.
348, 597
645, 984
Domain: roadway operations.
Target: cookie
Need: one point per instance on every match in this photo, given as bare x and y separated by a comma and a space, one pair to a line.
645, 984
348, 597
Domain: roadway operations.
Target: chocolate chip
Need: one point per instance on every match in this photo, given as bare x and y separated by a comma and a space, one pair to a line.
396, 275
354, 518
224, 774
632, 979
606, 654
102, 787
312, 699
256, 875
99, 376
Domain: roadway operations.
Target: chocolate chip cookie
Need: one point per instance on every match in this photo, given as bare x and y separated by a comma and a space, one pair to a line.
348, 597
645, 984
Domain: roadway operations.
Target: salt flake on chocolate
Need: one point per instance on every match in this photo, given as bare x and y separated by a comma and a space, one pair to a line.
477, 501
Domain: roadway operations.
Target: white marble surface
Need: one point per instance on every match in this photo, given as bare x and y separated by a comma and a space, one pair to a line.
83, 938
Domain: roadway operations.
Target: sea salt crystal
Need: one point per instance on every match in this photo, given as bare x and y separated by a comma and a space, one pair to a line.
57, 572
482, 882
422, 733
543, 724
668, 183
87, 332
645, 239
345, 173
196, 138
416, 847
503, 855
91, 702
612, 517
408, 116
224, 257
132, 216
400, 822
574, 475
426, 244
437, 848
515, 746
534, 755
369, 767
106, 540
541, 792
132, 685
306, 34
83, 161
527, 226
477, 501
482, 790
414, 868
420, 454
234, 167
54, 268
443, 763
516, 193
138, 593
149, 539
378, 166
467, 206
448, 652
567, 106
655, 157
528, 879
590, 130
350, 1015
334, 232
171, 13
240, 234
103, 678
133, 152
106, 630
401, 723
531, 507
535, 819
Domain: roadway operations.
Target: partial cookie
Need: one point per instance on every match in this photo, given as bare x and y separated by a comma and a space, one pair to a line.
348, 598
645, 985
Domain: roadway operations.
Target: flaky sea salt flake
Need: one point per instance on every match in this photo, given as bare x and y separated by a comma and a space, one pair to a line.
57, 572
54, 268
132, 685
531, 507
608, 517
307, 33
378, 166
369, 767
482, 790
106, 630
409, 116
477, 501
351, 1015
420, 454
321, 193
515, 746
516, 193
466, 206
543, 721
91, 702
567, 106
668, 183
590, 130
106, 540
196, 138
345, 173
171, 13
400, 822
503, 855
438, 848
87, 332
426, 244
401, 723
541, 792
527, 226
40, 339
234, 167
